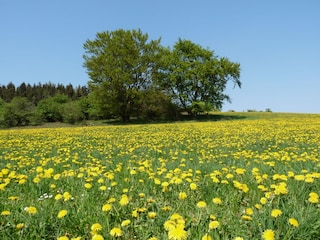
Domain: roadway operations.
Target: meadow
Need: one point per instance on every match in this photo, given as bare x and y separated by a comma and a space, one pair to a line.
250, 178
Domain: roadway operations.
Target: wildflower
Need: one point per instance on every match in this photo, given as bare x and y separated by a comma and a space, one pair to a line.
58, 197
134, 213
67, 196
177, 233
153, 238
97, 237
19, 226
212, 217
217, 201
142, 195
87, 185
249, 211
13, 198
313, 197
238, 238
294, 222
246, 217
95, 228
276, 213
206, 237
5, 213
106, 207
116, 232
214, 224
125, 223
182, 195
201, 204
268, 234
124, 200
62, 213
168, 225
31, 210
193, 186
63, 238
258, 206
103, 188
152, 215
263, 200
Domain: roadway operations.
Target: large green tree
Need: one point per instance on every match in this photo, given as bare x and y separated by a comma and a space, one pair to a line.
192, 74
120, 65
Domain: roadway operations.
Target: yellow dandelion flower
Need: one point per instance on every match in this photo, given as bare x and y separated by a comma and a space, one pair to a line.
268, 234
168, 225
294, 222
249, 211
116, 232
125, 223
212, 217
214, 224
106, 207
103, 188
5, 213
87, 185
63, 238
263, 200
153, 238
66, 196
193, 186
31, 210
217, 201
62, 213
58, 197
19, 226
206, 237
276, 213
238, 238
96, 227
152, 215
178, 233
124, 200
182, 195
97, 237
201, 204
246, 217
313, 197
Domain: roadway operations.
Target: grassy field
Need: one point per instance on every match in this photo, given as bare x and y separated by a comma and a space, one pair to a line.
247, 176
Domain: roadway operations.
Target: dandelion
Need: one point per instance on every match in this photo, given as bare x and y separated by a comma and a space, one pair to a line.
106, 207
58, 197
19, 226
214, 224
95, 228
153, 238
249, 211
62, 213
206, 237
263, 200
178, 233
313, 197
193, 186
268, 234
63, 238
238, 238
152, 215
31, 210
217, 201
168, 225
103, 188
294, 222
125, 223
87, 185
116, 232
66, 196
124, 200
276, 213
182, 195
201, 204
5, 213
246, 217
97, 237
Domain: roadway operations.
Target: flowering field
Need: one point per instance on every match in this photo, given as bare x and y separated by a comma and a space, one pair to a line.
237, 179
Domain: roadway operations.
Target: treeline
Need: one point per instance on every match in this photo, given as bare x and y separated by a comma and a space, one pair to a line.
34, 104
37, 92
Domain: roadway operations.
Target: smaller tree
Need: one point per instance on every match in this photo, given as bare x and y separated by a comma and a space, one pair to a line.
71, 112
51, 108
19, 112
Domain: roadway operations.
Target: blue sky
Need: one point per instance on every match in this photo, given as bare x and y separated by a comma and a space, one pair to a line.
276, 42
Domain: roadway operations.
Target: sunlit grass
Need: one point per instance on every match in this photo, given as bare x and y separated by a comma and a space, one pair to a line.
248, 178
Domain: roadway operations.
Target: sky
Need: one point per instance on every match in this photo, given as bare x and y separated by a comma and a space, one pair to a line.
276, 42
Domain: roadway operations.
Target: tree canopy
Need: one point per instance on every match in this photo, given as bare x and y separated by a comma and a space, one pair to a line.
124, 66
